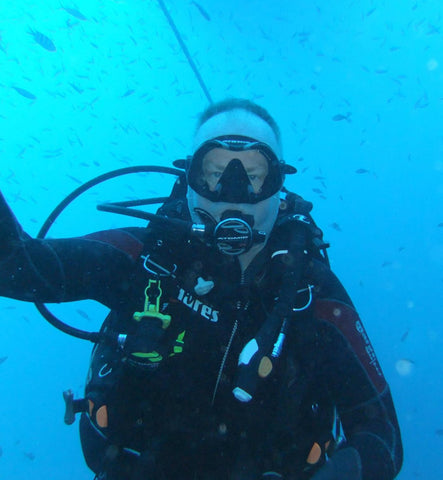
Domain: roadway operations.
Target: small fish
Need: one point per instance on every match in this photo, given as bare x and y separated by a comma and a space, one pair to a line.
52, 154
440, 225
74, 12
24, 93
54, 151
432, 29
3, 359
43, 40
336, 226
76, 88
422, 102
361, 170
29, 455
317, 190
83, 314
203, 12
404, 336
386, 263
439, 431
340, 117
74, 179
128, 93
2, 48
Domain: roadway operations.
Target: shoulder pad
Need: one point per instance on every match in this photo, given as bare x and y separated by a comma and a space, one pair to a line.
296, 204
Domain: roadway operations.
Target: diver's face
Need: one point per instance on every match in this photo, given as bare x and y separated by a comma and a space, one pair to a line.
221, 166
216, 160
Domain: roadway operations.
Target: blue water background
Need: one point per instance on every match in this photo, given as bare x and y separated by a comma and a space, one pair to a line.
118, 91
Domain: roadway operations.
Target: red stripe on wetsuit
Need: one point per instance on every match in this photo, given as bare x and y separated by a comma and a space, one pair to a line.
119, 239
347, 321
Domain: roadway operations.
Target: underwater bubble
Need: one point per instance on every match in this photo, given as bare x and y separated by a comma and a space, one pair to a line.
404, 366
432, 64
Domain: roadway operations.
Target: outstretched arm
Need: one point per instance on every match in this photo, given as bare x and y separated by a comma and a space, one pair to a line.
60, 270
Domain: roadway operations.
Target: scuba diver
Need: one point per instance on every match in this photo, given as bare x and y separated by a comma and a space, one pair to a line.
231, 350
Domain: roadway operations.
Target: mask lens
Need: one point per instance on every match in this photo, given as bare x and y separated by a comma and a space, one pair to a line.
235, 172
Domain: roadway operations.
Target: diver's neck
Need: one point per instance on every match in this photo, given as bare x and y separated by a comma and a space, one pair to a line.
246, 258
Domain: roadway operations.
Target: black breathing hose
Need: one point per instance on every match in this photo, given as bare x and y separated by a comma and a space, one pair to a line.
120, 207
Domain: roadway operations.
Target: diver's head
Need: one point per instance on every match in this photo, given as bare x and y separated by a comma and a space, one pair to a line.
237, 116
236, 173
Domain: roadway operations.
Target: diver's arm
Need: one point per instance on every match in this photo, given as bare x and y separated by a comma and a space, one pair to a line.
372, 447
362, 397
29, 269
356, 382
58, 270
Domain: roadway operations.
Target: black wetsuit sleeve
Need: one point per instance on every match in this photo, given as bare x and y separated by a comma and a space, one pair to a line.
10, 230
60, 270
356, 383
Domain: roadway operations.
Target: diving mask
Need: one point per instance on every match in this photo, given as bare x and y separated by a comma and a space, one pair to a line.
236, 169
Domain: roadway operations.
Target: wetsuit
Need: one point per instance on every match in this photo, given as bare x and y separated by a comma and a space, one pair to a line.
174, 416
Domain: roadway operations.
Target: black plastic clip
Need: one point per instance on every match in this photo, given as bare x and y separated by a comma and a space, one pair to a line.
73, 406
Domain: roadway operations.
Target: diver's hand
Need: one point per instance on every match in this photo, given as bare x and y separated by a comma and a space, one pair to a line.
141, 347
345, 464
9, 229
